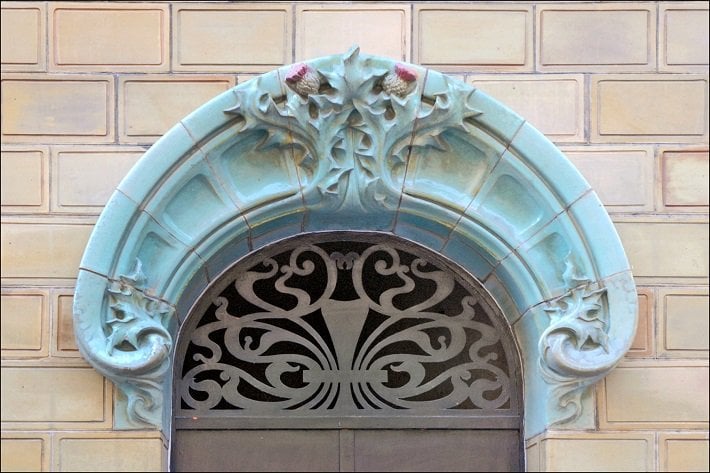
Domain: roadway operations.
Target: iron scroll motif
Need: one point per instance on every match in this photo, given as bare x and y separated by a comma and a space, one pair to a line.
345, 328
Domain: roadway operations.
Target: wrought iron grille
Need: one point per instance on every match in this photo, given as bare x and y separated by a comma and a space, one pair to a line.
345, 324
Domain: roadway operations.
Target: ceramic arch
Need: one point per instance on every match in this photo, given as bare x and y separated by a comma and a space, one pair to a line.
358, 143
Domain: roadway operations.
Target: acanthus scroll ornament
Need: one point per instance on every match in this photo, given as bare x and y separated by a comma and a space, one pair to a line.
134, 345
347, 139
575, 344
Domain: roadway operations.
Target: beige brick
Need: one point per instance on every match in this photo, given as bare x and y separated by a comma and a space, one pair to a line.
489, 37
655, 108
553, 104
151, 105
532, 457
655, 394
65, 324
684, 323
622, 177
684, 36
109, 37
598, 452
61, 108
46, 395
670, 250
24, 178
642, 345
683, 452
24, 322
108, 452
685, 178
42, 250
23, 43
224, 37
381, 29
602, 37
85, 178
22, 454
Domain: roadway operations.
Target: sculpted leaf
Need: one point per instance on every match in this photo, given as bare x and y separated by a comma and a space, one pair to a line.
577, 331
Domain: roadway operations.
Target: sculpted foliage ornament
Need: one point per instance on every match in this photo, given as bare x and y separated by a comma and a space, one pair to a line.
134, 345
570, 346
351, 128
358, 143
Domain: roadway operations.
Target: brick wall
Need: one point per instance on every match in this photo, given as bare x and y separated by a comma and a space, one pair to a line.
622, 88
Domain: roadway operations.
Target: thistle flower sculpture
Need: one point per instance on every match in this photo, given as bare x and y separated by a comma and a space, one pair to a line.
399, 82
303, 79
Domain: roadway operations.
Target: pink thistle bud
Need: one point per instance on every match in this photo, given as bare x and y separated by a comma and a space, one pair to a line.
404, 73
304, 80
400, 81
297, 72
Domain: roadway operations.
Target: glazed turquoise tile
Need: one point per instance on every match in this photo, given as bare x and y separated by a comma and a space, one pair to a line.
225, 246
424, 222
270, 83
277, 229
549, 252
88, 301
316, 219
253, 175
190, 267
620, 289
459, 250
446, 103
600, 236
108, 234
496, 118
514, 201
211, 117
549, 163
540, 393
520, 283
527, 332
275, 222
500, 294
159, 160
265, 214
330, 151
158, 251
191, 202
451, 169
450, 156
440, 84
490, 244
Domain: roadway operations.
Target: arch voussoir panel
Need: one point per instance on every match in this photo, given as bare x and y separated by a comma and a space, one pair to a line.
358, 143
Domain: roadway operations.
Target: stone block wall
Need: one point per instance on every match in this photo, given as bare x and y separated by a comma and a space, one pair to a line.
622, 88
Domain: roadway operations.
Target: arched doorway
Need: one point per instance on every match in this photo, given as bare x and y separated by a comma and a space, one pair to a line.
358, 143
346, 351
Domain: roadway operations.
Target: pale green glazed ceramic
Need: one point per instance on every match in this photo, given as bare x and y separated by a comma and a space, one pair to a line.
354, 143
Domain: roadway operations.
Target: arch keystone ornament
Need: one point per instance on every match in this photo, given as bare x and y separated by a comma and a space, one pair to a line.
355, 143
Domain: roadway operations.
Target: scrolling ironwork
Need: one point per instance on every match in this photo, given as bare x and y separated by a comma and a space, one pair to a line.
331, 324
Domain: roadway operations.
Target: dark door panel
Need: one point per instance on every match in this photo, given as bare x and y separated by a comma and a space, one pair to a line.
346, 450
256, 450
436, 450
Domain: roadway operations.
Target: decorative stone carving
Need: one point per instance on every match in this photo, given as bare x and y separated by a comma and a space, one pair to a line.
358, 143
351, 126
133, 346
574, 349
303, 80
